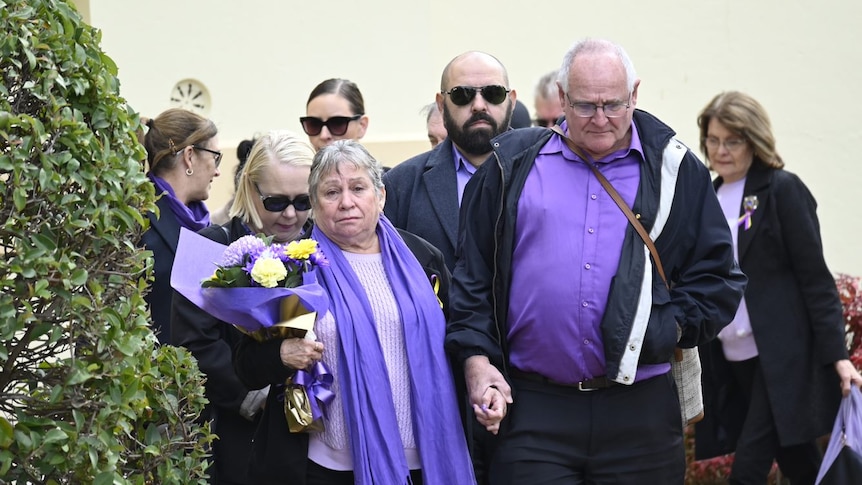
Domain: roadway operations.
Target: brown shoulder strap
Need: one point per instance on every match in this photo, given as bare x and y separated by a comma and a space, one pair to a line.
618, 199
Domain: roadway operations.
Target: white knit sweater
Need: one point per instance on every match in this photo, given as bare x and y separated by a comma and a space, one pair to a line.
331, 448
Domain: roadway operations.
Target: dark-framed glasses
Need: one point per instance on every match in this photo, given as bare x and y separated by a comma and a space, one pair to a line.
731, 144
217, 154
463, 95
278, 203
337, 125
614, 109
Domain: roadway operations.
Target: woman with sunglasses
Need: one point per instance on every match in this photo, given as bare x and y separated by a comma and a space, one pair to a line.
183, 159
271, 199
335, 111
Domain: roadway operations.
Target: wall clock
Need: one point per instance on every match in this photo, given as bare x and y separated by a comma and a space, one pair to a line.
192, 95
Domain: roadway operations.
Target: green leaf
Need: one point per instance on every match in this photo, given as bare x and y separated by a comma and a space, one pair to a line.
7, 433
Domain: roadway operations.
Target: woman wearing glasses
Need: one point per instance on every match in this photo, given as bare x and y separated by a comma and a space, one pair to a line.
183, 159
771, 379
334, 111
272, 199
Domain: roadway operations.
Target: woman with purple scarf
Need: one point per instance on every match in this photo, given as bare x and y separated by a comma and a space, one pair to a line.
183, 159
394, 419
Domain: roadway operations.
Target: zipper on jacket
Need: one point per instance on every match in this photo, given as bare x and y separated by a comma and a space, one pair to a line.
495, 272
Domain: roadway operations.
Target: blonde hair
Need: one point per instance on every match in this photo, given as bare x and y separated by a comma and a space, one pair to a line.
276, 147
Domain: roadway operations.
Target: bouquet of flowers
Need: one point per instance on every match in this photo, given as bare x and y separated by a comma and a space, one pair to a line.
267, 291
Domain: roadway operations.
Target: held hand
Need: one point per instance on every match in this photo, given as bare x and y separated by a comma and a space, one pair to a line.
299, 353
848, 374
488, 390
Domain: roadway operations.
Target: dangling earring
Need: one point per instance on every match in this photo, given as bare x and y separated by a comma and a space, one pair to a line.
189, 172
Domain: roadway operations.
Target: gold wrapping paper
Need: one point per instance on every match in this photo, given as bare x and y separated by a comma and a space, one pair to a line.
297, 410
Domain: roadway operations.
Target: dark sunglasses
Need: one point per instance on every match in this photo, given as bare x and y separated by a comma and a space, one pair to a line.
312, 126
217, 154
463, 95
545, 122
278, 203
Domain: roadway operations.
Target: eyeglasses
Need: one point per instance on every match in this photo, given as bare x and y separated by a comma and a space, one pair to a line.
615, 109
278, 203
463, 95
217, 154
312, 126
731, 144
545, 122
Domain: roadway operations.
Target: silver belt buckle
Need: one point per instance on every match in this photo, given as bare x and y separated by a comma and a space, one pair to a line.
585, 389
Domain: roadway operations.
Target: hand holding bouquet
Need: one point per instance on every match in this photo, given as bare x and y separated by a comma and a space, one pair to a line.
267, 291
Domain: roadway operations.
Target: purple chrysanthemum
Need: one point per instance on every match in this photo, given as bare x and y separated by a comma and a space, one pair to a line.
235, 254
318, 258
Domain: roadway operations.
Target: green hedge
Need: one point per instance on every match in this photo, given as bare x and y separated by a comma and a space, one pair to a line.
86, 395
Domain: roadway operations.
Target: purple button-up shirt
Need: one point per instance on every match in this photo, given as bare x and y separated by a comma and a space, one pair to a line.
568, 240
464, 170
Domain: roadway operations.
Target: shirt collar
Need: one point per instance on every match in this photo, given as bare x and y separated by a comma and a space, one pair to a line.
555, 145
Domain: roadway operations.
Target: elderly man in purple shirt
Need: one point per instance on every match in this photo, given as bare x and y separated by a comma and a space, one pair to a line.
565, 328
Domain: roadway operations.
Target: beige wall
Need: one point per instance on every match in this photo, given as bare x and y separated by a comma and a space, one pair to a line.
261, 58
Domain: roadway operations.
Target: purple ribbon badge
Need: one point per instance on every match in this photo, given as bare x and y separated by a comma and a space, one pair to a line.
749, 205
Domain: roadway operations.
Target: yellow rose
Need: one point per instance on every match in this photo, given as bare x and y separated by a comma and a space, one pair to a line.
302, 249
267, 272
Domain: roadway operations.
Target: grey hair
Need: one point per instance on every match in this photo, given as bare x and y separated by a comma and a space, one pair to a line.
428, 110
330, 159
592, 46
546, 88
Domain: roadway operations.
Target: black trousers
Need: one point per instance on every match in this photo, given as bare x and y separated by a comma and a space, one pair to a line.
557, 435
318, 475
758, 443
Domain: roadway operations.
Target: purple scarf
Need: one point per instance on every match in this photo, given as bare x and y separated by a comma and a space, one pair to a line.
193, 217
378, 454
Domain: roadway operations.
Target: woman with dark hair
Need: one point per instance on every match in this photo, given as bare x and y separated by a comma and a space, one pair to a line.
773, 378
335, 110
183, 159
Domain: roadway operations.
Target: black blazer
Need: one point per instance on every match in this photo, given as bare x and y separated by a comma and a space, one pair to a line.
422, 198
796, 318
211, 342
277, 455
161, 238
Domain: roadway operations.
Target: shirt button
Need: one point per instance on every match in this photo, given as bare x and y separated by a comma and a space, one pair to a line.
587, 341
591, 230
632, 347
626, 378
587, 266
593, 196
584, 304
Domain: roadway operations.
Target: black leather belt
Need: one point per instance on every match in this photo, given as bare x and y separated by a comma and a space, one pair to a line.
594, 384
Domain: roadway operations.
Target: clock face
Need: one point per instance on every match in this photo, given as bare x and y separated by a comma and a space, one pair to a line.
192, 95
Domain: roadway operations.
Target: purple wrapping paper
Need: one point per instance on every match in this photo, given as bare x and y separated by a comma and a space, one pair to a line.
846, 432
250, 308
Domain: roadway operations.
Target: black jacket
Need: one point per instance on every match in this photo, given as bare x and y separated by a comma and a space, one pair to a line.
161, 238
694, 244
211, 342
796, 319
422, 198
